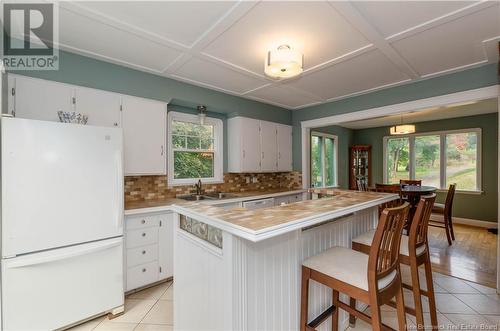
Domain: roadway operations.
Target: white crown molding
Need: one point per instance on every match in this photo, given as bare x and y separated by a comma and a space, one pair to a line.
415, 106
455, 69
105, 58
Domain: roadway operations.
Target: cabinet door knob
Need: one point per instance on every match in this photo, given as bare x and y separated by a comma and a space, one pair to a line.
143, 221
144, 234
143, 252
144, 270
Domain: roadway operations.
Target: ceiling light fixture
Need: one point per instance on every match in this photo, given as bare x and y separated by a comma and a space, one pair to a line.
202, 113
283, 62
402, 128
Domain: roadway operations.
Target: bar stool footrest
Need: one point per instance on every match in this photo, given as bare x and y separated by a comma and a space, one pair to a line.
321, 318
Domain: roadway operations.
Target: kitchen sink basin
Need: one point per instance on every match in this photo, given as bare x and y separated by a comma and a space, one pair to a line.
208, 196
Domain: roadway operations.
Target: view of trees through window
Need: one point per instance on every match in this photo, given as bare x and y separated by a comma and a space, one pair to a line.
460, 157
322, 160
193, 147
461, 160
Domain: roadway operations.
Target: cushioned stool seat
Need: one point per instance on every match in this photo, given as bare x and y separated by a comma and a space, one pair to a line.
346, 265
367, 239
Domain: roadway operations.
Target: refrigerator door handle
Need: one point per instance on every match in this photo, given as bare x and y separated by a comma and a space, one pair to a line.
120, 194
54, 256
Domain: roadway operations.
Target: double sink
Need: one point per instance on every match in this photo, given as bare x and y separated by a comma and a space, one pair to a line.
208, 196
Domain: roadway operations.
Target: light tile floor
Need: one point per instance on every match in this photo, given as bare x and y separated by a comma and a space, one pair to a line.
148, 310
461, 305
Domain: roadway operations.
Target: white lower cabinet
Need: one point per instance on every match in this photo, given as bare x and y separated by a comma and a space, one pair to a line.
148, 249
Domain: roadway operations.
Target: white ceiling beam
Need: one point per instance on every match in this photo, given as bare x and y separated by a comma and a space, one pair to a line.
467, 10
353, 16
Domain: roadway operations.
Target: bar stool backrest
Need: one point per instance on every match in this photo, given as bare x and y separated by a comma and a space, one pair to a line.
420, 222
384, 252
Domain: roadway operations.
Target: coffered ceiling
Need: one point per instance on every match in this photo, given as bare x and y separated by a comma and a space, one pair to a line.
349, 48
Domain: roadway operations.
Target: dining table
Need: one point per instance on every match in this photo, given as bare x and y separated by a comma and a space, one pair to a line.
412, 194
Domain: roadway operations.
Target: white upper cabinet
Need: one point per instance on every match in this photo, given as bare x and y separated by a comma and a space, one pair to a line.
144, 124
39, 99
268, 147
258, 146
284, 147
143, 121
243, 145
102, 108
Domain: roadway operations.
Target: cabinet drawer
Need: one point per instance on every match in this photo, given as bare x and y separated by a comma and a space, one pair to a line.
142, 237
140, 222
141, 255
141, 275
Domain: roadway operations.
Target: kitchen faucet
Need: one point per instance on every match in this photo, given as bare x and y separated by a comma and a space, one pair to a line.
198, 187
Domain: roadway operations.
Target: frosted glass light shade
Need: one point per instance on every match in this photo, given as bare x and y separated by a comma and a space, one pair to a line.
402, 129
283, 62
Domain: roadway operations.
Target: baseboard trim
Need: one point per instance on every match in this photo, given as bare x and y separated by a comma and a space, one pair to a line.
470, 221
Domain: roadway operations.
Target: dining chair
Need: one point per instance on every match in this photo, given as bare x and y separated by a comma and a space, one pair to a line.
389, 188
411, 182
414, 252
374, 278
445, 210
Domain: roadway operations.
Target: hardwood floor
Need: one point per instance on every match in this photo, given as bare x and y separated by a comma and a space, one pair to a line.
473, 255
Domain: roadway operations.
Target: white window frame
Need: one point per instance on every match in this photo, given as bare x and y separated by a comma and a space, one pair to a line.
335, 156
442, 155
218, 149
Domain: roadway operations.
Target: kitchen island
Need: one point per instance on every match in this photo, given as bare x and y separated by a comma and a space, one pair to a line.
239, 269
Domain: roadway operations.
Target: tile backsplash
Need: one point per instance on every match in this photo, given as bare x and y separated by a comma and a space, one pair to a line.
143, 188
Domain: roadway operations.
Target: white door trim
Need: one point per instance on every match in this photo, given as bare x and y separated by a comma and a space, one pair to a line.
416, 105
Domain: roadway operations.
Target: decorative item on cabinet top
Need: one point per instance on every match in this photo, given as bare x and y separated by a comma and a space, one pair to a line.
72, 117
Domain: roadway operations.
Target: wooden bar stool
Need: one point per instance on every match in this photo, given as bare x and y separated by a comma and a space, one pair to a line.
414, 252
446, 211
374, 279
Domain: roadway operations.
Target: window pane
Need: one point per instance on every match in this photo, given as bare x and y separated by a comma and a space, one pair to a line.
427, 160
316, 171
398, 164
193, 142
207, 143
193, 165
461, 163
179, 141
329, 164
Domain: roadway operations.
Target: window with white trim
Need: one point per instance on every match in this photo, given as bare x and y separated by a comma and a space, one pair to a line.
437, 158
323, 159
195, 149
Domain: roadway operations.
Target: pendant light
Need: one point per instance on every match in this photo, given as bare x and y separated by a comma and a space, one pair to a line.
202, 113
402, 128
283, 62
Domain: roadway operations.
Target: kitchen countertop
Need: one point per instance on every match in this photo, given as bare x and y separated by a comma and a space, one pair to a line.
260, 224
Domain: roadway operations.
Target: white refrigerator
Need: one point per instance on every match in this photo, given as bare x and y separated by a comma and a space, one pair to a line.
61, 223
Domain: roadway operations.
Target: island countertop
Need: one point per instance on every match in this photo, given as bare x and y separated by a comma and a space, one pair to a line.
260, 224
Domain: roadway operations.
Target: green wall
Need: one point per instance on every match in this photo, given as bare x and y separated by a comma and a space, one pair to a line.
85, 71
483, 206
486, 75
345, 139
